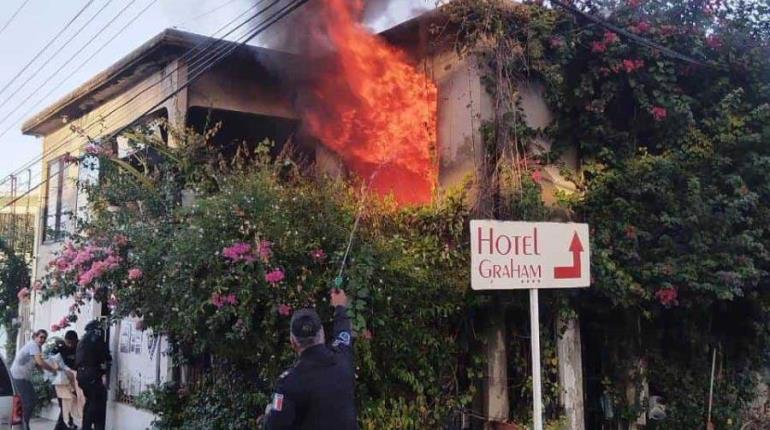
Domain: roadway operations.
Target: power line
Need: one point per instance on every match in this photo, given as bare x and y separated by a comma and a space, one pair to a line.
286, 10
10, 20
627, 34
204, 14
275, 18
50, 58
190, 52
160, 80
72, 57
47, 45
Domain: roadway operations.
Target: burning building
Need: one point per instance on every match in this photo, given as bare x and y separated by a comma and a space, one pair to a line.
398, 110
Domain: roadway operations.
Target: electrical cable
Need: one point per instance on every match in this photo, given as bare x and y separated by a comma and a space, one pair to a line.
57, 71
192, 65
47, 45
10, 20
188, 53
79, 67
204, 14
50, 58
286, 10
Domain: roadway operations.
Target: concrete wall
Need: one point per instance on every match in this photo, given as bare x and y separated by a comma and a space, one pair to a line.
241, 87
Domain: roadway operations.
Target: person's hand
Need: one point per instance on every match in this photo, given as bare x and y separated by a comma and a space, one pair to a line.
338, 297
104, 380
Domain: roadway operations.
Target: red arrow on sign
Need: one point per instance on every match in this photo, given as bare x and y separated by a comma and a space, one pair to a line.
574, 271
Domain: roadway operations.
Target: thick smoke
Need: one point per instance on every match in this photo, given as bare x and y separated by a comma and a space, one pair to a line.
292, 34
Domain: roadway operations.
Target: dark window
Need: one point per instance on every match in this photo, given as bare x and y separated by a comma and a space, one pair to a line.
59, 201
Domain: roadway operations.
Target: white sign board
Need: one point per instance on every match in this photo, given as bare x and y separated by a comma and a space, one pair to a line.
509, 255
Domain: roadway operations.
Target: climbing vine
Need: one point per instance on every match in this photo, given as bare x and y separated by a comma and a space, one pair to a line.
14, 287
674, 152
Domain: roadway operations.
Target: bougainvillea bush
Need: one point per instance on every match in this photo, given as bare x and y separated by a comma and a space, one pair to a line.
222, 273
669, 110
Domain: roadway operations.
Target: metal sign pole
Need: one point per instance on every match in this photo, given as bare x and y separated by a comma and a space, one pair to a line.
537, 396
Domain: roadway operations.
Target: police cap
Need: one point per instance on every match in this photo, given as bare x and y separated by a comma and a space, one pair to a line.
305, 323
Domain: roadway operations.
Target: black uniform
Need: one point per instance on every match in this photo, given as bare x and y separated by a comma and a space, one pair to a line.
318, 393
92, 361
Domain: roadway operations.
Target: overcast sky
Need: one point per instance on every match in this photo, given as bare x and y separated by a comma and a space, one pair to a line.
38, 21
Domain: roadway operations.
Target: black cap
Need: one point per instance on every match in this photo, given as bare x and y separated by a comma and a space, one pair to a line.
94, 326
305, 323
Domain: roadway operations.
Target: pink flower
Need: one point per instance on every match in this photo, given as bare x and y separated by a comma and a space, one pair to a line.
86, 278
62, 264
318, 255
265, 250
238, 252
135, 274
284, 310
634, 3
641, 27
632, 65
610, 38
714, 42
216, 300
64, 322
112, 302
231, 299
367, 335
113, 262
275, 276
82, 257
69, 251
37, 285
557, 42
221, 301
537, 175
659, 113
93, 149
55, 327
120, 240
23, 294
69, 159
631, 232
598, 47
667, 296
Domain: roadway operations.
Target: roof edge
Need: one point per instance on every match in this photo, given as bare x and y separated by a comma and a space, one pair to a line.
169, 36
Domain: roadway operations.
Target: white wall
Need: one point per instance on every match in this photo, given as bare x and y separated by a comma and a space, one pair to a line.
44, 314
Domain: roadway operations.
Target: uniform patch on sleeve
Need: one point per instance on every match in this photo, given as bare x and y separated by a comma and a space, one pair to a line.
277, 402
343, 338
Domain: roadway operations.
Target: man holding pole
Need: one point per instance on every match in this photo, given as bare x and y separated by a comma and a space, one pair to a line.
318, 392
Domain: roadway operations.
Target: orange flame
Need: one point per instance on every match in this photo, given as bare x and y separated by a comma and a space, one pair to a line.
374, 109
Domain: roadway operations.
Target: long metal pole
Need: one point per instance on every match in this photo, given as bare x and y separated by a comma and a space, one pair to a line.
711, 384
537, 395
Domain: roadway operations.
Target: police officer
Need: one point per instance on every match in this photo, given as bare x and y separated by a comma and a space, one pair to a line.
318, 392
92, 360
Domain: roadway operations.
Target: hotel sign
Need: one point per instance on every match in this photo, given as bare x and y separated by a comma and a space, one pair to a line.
510, 255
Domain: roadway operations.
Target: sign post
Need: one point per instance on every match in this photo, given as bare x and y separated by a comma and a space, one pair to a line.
512, 255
